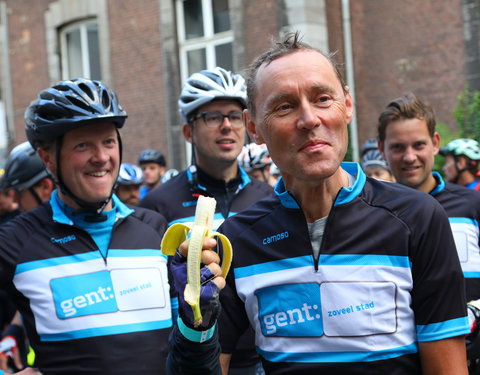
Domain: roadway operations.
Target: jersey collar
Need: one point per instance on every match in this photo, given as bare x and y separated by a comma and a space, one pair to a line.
440, 183
345, 195
60, 209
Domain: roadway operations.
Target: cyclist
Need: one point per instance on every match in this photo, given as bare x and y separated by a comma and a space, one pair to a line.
211, 105
153, 166
409, 142
461, 162
373, 164
256, 161
25, 174
130, 179
338, 274
84, 270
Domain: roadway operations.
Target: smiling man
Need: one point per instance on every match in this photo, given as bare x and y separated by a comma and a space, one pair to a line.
67, 262
336, 273
409, 142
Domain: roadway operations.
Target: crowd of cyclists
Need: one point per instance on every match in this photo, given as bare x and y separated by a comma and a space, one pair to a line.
338, 267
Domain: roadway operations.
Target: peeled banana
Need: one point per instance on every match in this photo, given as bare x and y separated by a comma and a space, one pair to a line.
201, 228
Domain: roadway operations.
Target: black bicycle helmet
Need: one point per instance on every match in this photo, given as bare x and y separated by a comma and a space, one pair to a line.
23, 169
66, 106
151, 156
69, 105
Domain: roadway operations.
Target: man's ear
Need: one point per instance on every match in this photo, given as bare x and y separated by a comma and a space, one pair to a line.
188, 132
48, 159
380, 148
436, 143
461, 162
249, 122
46, 188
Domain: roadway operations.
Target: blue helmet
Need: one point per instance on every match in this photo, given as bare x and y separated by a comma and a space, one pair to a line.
68, 105
130, 175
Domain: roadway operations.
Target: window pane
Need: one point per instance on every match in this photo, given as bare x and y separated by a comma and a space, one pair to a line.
74, 54
93, 51
197, 60
192, 11
221, 16
224, 56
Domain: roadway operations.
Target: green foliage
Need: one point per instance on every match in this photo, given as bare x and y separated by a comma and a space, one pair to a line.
446, 135
467, 114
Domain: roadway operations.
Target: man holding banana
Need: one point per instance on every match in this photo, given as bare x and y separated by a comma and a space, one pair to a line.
337, 273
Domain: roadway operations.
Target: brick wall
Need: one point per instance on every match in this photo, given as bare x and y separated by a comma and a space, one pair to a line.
28, 59
136, 63
401, 46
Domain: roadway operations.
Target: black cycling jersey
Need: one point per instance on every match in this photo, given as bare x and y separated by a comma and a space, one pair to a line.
387, 277
85, 312
463, 209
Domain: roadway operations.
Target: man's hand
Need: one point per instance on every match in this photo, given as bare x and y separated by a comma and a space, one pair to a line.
211, 284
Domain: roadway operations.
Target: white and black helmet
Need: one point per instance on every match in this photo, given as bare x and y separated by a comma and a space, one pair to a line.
253, 157
207, 85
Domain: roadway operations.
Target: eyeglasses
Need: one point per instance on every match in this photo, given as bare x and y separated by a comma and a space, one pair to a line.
213, 119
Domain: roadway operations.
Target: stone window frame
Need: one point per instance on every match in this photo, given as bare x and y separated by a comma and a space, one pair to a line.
63, 12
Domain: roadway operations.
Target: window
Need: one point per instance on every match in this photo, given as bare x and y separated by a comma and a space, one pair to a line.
80, 50
205, 35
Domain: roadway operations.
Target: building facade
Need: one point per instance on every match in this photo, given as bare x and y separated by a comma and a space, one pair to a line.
145, 50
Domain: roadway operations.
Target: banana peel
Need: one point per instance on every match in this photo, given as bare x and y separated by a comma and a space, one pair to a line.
201, 228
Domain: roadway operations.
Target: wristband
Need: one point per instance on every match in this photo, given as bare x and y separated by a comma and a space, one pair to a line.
193, 335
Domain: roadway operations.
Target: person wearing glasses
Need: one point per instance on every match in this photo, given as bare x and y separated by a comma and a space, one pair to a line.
211, 105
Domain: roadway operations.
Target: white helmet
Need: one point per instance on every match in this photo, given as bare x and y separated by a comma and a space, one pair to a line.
254, 156
207, 85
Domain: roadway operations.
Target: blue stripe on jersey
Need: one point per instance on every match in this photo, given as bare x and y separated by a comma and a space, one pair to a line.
104, 331
85, 257
325, 260
471, 275
463, 220
324, 357
442, 330
364, 260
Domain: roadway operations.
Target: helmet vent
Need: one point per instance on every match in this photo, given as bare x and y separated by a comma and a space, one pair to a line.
86, 90
80, 104
105, 100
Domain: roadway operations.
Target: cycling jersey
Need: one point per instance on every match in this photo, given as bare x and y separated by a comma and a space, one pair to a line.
387, 277
177, 198
85, 312
463, 209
